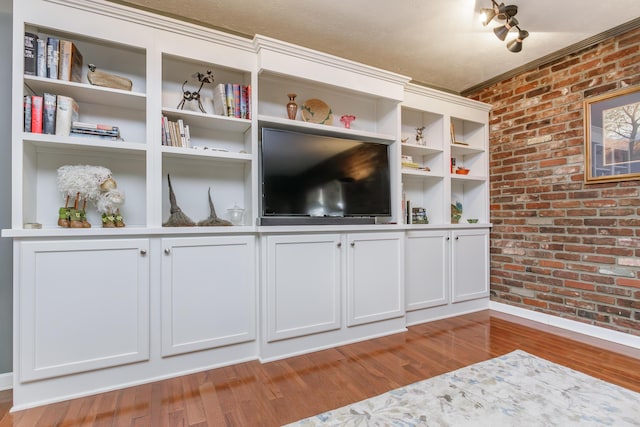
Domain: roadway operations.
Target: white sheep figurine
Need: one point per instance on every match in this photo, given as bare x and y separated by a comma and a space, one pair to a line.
108, 204
83, 183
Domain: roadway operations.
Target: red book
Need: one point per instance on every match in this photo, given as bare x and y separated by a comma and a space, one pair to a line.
36, 113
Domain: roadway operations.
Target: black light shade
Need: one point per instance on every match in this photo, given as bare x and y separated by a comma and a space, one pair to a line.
516, 44
506, 12
502, 31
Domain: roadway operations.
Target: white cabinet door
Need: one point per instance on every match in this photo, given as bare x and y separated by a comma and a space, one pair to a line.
426, 269
82, 305
208, 292
303, 277
375, 288
469, 264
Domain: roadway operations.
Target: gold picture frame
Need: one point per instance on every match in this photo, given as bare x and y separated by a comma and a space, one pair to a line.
612, 136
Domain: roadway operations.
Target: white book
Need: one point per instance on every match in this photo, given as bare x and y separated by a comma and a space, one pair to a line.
41, 58
219, 100
183, 137
66, 113
187, 135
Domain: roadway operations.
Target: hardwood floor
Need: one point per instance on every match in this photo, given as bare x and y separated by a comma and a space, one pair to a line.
276, 393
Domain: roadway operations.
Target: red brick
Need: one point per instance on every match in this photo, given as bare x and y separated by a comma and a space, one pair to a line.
624, 281
579, 285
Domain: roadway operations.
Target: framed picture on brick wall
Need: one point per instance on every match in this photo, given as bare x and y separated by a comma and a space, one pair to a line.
612, 136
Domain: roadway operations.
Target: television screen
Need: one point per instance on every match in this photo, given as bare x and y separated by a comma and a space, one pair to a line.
314, 176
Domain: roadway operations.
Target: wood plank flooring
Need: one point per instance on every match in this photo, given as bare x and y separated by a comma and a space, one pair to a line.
276, 393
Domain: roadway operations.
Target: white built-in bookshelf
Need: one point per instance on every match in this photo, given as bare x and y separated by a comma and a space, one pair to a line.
137, 285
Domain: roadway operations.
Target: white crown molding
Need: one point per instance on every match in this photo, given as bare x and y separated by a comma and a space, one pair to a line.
447, 97
268, 43
141, 17
570, 325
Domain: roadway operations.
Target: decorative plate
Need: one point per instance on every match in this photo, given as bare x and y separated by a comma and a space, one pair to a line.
316, 111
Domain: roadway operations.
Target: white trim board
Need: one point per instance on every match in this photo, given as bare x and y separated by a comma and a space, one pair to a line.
570, 325
6, 381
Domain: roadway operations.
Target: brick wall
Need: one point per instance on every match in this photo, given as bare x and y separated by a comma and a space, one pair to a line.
558, 245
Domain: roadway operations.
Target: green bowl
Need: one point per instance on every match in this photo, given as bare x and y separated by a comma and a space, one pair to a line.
472, 220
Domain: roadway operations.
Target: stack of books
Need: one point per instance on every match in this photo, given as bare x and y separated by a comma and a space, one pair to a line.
407, 162
52, 57
95, 130
49, 113
175, 133
232, 100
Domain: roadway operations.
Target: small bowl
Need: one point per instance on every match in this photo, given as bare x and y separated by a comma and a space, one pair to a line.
472, 220
462, 171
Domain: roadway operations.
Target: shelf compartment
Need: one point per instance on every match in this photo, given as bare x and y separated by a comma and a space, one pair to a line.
376, 117
111, 57
425, 192
473, 160
176, 70
468, 132
473, 195
99, 105
432, 133
213, 132
41, 198
193, 176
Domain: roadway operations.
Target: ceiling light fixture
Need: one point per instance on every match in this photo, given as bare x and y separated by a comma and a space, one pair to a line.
504, 13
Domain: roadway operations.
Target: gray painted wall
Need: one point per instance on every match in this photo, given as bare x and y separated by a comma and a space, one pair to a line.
6, 254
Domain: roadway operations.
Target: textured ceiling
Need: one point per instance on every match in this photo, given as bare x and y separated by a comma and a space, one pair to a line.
440, 43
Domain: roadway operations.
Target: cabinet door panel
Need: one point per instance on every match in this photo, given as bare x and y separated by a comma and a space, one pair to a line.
208, 293
375, 288
470, 264
427, 269
303, 285
83, 305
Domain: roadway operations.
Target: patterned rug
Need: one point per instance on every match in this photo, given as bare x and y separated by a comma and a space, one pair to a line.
517, 389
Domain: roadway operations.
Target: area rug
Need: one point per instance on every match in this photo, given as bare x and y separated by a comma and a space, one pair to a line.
517, 389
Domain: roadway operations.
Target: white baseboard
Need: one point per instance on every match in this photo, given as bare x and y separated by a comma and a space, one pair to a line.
6, 381
570, 325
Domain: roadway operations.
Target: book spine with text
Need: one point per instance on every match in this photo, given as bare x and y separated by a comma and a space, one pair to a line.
187, 135
49, 114
247, 95
27, 113
182, 134
66, 113
41, 58
220, 100
30, 53
236, 100
53, 57
243, 102
36, 114
165, 137
230, 102
70, 68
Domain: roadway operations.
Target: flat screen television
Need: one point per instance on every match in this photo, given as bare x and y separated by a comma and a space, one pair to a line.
313, 179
